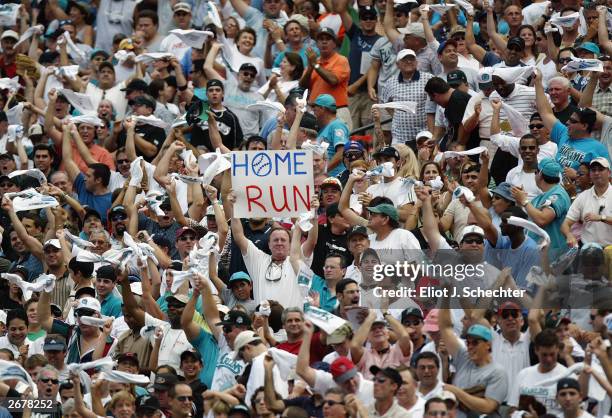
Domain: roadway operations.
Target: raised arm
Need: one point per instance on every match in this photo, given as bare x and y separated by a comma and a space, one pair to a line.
272, 402
45, 319
476, 50
161, 170
240, 6
129, 300
498, 41
237, 231
446, 327
192, 330
69, 165
295, 251
31, 243
302, 367
389, 23
211, 313
361, 336
430, 225
343, 204
602, 29
544, 109
209, 63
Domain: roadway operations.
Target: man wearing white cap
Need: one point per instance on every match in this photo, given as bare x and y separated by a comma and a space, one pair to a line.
182, 20
409, 85
592, 208
8, 65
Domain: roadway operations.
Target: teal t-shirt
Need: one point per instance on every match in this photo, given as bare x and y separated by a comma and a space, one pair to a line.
327, 301
207, 346
335, 133
572, 152
558, 200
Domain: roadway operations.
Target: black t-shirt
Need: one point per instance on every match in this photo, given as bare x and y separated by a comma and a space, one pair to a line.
565, 114
360, 44
229, 128
454, 113
149, 133
329, 243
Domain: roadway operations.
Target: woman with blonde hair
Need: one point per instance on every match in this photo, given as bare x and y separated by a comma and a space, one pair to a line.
409, 165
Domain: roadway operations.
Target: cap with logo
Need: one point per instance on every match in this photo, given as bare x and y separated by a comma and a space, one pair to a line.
89, 303
485, 77
385, 209
416, 312
471, 230
247, 66
165, 381
357, 230
331, 182
568, 383
550, 167
147, 403
215, 83
353, 146
236, 318
387, 152
389, 372
456, 77
342, 369
183, 230
53, 243
325, 100
242, 339
414, 29
367, 11
326, 32
54, 343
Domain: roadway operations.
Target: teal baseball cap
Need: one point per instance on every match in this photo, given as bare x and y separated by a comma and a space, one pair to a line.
550, 167
240, 275
591, 47
480, 331
326, 100
385, 209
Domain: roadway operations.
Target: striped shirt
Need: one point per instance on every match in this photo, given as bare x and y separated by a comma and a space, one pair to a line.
602, 100
406, 125
61, 291
522, 99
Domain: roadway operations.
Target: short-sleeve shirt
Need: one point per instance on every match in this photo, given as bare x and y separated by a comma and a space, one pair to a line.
520, 259
589, 202
558, 200
359, 56
335, 133
173, 343
101, 203
317, 349
572, 152
392, 358
339, 66
111, 306
383, 51
72, 334
207, 346
327, 301
97, 152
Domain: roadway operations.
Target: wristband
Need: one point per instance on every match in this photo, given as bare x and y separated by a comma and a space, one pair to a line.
182, 88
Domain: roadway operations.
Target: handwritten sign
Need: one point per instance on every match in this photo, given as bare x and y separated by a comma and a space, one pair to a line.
272, 183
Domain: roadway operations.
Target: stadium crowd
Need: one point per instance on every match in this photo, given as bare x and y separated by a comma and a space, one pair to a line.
472, 133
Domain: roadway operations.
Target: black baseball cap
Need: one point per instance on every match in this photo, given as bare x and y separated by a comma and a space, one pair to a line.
117, 209
164, 381
411, 312
87, 291
193, 354
456, 77
516, 41
239, 409
54, 343
357, 230
128, 357
247, 66
136, 85
387, 152
367, 11
568, 383
328, 32
236, 318
215, 83
92, 212
390, 372
147, 403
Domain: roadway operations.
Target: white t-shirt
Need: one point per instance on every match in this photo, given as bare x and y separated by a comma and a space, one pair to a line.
513, 357
418, 409
227, 368
529, 383
173, 343
114, 94
174, 45
517, 177
400, 243
260, 266
589, 202
34, 347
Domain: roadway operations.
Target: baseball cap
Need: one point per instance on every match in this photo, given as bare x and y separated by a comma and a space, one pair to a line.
300, 19
92, 212
88, 303
568, 383
331, 181
357, 230
602, 161
516, 41
326, 31
145, 100
215, 83
86, 290
236, 318
455, 30
247, 66
471, 230
98, 51
485, 77
326, 100
126, 43
456, 77
353, 146
182, 7
503, 190
164, 381
404, 53
591, 47
414, 29
553, 320
242, 339
128, 357
183, 230
136, 85
446, 43
431, 321
35, 129
550, 167
387, 152
181, 298
389, 372
386, 209
342, 369
53, 243
239, 276
480, 331
411, 312
367, 11
447, 395
10, 34
239, 409
424, 134
54, 343
117, 209
147, 403
191, 353
106, 64
339, 335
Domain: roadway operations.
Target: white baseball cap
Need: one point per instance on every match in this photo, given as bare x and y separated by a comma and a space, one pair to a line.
472, 229
424, 134
10, 34
602, 161
404, 53
89, 303
243, 339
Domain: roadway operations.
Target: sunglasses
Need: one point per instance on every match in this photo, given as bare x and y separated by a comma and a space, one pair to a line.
227, 329
564, 60
187, 237
6, 185
353, 155
49, 380
184, 398
536, 126
368, 17
329, 402
119, 217
473, 240
248, 74
507, 313
84, 312
123, 161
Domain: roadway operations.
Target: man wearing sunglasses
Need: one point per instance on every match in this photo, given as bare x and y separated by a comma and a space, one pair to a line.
181, 401
387, 382
47, 383
228, 368
118, 217
353, 151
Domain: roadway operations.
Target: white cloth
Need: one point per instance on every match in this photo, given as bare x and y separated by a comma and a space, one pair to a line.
325, 381
529, 383
173, 343
256, 378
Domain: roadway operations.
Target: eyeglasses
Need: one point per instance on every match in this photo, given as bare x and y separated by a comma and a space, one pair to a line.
330, 402
6, 185
507, 313
473, 240
528, 147
564, 60
536, 126
119, 217
473, 341
49, 380
353, 155
187, 237
274, 272
184, 398
126, 161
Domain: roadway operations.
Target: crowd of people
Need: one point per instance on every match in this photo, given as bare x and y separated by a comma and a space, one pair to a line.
474, 135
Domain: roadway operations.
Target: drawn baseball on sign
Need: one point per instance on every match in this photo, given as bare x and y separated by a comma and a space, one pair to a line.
261, 165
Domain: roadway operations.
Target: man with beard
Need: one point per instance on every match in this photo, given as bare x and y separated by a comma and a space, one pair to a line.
169, 340
106, 278
118, 217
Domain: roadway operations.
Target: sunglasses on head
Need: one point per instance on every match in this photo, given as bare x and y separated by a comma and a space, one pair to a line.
507, 313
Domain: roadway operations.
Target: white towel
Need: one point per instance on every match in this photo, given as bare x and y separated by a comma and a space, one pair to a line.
404, 106
212, 164
565, 21
193, 38
530, 226
33, 172
124, 377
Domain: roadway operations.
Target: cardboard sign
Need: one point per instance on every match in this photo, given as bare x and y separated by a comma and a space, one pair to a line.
272, 183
